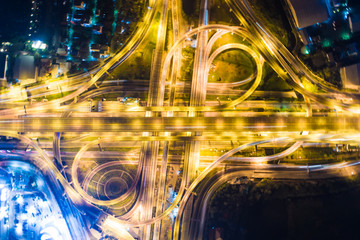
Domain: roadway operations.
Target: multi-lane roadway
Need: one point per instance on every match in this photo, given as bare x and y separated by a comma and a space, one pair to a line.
163, 122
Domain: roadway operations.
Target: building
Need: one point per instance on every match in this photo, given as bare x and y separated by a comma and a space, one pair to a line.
3, 66
95, 47
335, 3
5, 179
99, 51
3, 69
24, 68
354, 23
308, 12
330, 57
304, 36
351, 50
35, 19
61, 51
350, 76
79, 4
64, 66
97, 29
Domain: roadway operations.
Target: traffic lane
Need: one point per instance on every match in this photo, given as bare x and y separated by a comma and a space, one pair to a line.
181, 124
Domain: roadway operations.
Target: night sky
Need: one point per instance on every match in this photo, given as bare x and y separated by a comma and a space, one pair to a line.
14, 18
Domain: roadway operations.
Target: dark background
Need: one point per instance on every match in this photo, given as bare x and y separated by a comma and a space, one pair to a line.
14, 19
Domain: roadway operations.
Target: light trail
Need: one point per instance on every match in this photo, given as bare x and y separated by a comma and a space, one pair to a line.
263, 46
120, 57
90, 199
77, 199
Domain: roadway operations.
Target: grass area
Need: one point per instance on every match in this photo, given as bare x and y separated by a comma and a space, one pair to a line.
311, 155
138, 65
271, 81
310, 87
53, 96
220, 13
169, 32
272, 14
315, 156
318, 63
232, 66
226, 39
187, 63
213, 152
113, 96
191, 10
285, 209
128, 14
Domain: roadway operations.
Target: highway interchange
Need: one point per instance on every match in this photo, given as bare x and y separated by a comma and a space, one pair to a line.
154, 129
